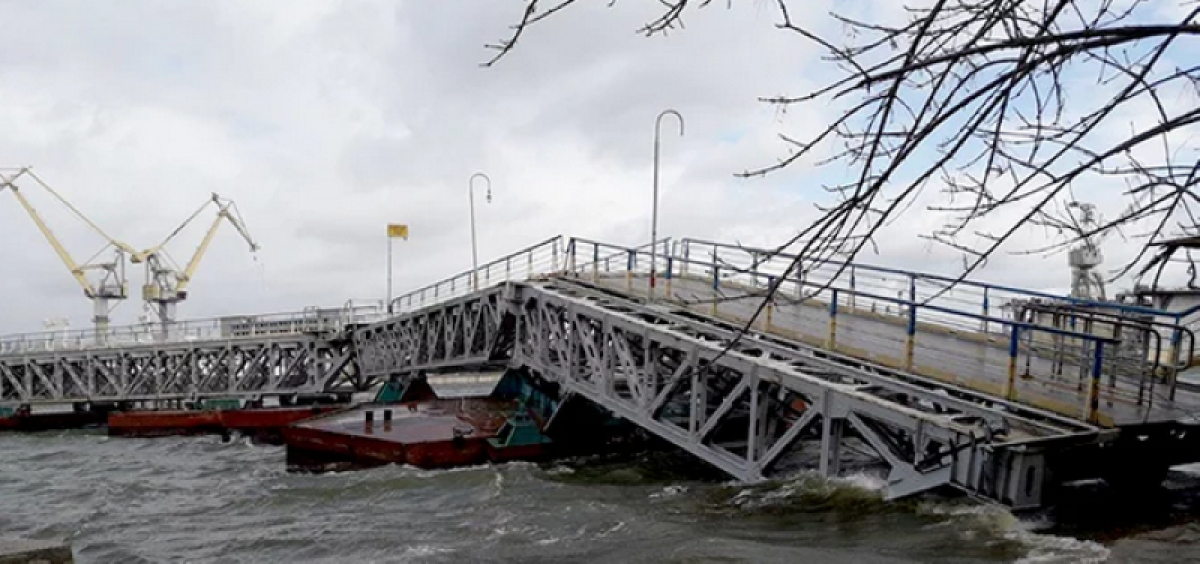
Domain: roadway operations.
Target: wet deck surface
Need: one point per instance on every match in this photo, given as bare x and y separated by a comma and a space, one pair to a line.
971, 359
428, 421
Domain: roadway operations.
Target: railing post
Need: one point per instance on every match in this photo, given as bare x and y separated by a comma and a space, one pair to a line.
629, 264
668, 276
571, 252
508, 267
687, 247
595, 262
853, 287
716, 285
767, 322
554, 257
753, 270
529, 265
1014, 346
910, 341
831, 341
1093, 406
800, 279
984, 321
1173, 355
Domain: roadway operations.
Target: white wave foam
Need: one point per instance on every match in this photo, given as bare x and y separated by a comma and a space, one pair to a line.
1050, 549
973, 520
423, 550
669, 491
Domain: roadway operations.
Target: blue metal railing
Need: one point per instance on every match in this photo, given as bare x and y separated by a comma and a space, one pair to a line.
1035, 347
980, 296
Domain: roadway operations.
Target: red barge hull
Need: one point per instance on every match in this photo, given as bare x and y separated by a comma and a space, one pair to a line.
263, 424
432, 434
52, 421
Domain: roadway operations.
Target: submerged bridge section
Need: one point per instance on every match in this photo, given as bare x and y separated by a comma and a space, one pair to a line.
230, 357
834, 374
999, 392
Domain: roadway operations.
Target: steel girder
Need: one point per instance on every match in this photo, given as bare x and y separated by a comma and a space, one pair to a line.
244, 367
756, 409
757, 413
460, 333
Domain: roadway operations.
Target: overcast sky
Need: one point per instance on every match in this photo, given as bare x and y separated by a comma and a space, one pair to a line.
325, 120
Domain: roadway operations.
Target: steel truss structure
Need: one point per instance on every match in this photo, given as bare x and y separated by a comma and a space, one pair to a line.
227, 368
762, 409
462, 332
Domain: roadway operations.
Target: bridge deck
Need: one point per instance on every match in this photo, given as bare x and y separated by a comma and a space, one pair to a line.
974, 360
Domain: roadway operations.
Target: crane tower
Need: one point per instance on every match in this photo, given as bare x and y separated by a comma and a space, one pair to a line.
1086, 283
111, 285
166, 283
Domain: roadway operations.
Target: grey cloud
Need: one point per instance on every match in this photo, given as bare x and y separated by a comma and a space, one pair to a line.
326, 120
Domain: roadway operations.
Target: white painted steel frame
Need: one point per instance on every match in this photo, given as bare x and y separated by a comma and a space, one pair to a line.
246, 367
761, 410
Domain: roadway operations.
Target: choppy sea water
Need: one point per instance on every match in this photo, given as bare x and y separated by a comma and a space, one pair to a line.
202, 500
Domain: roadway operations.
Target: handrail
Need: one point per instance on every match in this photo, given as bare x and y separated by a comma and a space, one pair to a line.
687, 241
467, 277
595, 259
1088, 351
898, 301
1117, 319
235, 326
469, 272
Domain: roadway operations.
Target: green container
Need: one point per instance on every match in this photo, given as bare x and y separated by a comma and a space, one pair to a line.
218, 404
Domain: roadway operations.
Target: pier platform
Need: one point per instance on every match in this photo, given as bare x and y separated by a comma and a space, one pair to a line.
34, 552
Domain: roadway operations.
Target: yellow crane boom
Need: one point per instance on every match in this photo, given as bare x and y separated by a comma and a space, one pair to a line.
76, 272
166, 286
224, 206
112, 282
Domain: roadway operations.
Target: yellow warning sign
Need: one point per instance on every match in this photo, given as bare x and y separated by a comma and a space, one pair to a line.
397, 230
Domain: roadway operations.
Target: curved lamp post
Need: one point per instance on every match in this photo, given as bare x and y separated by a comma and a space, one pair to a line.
654, 213
474, 246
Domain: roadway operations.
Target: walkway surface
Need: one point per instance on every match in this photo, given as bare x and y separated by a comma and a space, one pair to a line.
1046, 379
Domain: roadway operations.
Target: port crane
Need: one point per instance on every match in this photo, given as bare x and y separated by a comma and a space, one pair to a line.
111, 285
166, 283
1086, 283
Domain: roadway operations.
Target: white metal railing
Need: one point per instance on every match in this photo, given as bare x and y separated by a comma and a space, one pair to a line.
542, 258
309, 320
